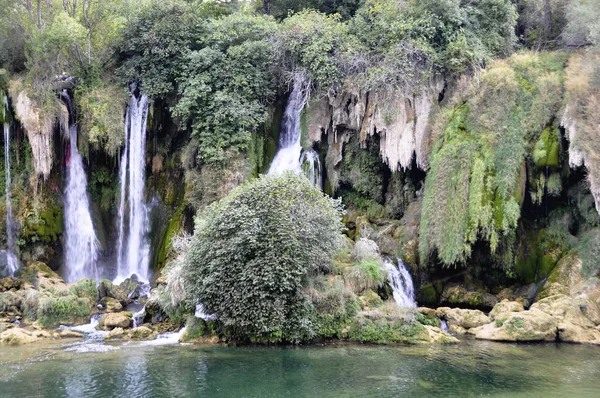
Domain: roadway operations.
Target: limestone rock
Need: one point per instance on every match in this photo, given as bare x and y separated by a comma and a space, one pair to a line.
438, 336
460, 320
17, 336
111, 305
140, 333
459, 296
532, 325
8, 283
116, 320
365, 249
116, 333
69, 334
41, 334
504, 307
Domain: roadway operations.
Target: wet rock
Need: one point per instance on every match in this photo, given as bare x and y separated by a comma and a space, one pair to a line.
438, 336
128, 286
17, 336
69, 334
116, 333
461, 320
140, 333
505, 307
116, 320
526, 294
110, 304
532, 325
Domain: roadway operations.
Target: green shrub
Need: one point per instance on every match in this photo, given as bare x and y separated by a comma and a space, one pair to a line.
365, 275
54, 311
252, 254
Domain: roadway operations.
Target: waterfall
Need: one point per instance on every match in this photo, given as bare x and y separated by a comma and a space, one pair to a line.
12, 263
311, 166
401, 283
81, 243
133, 247
289, 153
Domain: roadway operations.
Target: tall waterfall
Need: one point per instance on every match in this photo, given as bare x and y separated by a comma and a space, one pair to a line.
12, 263
288, 156
402, 284
81, 243
133, 246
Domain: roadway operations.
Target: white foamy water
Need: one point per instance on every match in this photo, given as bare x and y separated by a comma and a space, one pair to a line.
401, 283
81, 248
12, 264
168, 338
133, 249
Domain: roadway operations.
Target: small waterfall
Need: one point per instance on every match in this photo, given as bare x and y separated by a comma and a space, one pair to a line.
288, 155
133, 246
311, 166
12, 263
401, 283
200, 314
81, 243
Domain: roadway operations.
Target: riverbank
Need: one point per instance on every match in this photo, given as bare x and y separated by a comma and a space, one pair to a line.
42, 307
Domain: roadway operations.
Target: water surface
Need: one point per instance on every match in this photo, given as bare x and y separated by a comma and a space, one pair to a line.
471, 369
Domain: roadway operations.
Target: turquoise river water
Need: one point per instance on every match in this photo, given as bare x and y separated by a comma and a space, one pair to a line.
469, 369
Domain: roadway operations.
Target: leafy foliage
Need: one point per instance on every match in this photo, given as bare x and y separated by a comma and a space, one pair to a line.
253, 251
474, 188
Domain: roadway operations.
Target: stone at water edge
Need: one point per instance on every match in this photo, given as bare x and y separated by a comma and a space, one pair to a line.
504, 307
459, 320
438, 336
116, 320
532, 325
69, 334
17, 336
116, 333
140, 333
110, 304
9, 283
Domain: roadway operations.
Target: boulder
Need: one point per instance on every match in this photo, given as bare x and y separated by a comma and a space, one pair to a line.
532, 325
69, 334
365, 249
17, 336
8, 283
504, 307
455, 295
140, 333
110, 304
116, 333
116, 320
461, 320
438, 336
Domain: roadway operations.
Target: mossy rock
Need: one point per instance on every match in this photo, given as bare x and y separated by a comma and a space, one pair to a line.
382, 331
85, 288
428, 296
63, 310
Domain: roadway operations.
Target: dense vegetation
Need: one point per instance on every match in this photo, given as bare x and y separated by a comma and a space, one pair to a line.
502, 95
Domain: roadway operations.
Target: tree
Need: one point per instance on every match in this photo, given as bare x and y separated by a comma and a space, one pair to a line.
253, 251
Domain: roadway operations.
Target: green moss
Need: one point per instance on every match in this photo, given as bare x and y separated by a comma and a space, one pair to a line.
513, 324
70, 309
385, 332
427, 320
427, 295
165, 244
85, 288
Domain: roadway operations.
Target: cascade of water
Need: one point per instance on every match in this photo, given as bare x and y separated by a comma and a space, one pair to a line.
81, 243
288, 155
311, 166
401, 283
12, 263
133, 246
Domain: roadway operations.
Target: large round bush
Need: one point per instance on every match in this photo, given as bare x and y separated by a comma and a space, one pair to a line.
253, 251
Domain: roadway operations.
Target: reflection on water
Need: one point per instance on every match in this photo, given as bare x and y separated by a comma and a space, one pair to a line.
464, 370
